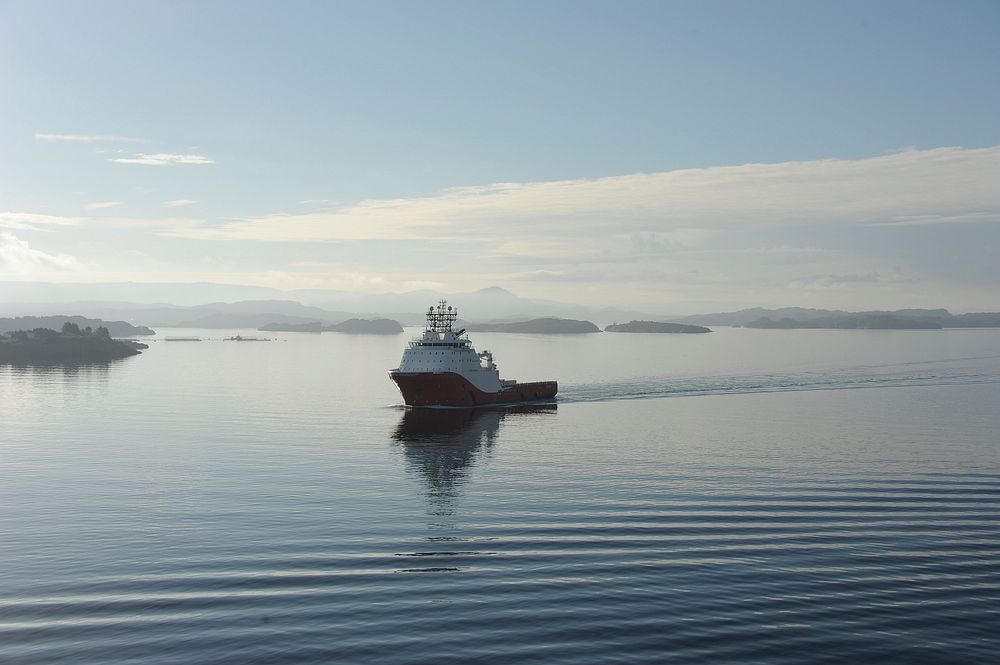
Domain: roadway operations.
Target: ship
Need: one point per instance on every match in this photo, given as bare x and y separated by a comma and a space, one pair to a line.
441, 368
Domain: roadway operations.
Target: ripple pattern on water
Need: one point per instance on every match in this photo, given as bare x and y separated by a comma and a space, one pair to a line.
216, 503
899, 569
961, 371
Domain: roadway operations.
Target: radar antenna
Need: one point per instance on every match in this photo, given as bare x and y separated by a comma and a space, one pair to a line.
441, 318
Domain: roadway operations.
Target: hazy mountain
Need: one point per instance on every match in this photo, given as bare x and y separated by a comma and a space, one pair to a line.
351, 326
242, 314
367, 327
797, 317
656, 327
226, 320
546, 325
176, 304
489, 305
744, 316
850, 322
231, 306
194, 293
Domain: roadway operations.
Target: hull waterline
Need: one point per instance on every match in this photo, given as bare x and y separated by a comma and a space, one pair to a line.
451, 389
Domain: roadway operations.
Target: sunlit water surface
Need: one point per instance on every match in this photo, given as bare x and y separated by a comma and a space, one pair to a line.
744, 496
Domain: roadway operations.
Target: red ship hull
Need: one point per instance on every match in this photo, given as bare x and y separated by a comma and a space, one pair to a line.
451, 389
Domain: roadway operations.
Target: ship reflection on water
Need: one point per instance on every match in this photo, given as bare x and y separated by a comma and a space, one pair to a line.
444, 445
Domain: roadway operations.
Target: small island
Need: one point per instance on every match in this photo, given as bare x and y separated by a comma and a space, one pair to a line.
544, 326
655, 327
350, 326
71, 345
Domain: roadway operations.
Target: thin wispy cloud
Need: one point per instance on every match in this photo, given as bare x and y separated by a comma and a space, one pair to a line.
164, 159
102, 205
29, 221
88, 138
750, 233
658, 211
756, 230
38, 222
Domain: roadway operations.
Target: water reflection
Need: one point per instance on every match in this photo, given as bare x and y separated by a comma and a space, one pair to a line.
58, 371
444, 445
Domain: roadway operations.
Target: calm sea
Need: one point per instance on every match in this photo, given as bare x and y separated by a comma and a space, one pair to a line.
747, 496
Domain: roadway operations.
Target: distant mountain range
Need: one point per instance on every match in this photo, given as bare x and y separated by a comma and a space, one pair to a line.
655, 327
798, 317
351, 326
207, 305
250, 307
546, 325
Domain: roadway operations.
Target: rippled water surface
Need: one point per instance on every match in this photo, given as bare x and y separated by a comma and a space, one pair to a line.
744, 496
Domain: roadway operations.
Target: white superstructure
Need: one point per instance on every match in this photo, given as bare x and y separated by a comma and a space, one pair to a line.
440, 349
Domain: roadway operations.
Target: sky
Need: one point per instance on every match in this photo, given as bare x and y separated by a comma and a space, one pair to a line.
672, 156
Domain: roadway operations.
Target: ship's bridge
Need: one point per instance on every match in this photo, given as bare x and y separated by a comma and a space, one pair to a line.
441, 349
447, 339
457, 344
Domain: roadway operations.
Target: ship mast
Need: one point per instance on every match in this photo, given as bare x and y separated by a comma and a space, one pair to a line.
441, 318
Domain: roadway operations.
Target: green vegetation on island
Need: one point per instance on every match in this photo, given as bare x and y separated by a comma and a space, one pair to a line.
350, 326
44, 346
56, 322
545, 326
655, 327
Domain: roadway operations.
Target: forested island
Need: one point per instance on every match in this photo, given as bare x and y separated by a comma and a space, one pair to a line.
655, 327
351, 326
547, 326
56, 322
71, 344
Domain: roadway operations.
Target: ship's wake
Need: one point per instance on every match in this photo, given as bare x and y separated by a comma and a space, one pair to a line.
961, 371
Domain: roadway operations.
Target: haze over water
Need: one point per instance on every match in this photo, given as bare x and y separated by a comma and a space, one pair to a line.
742, 496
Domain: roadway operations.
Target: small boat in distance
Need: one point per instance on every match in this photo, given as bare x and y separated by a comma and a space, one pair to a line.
441, 368
240, 338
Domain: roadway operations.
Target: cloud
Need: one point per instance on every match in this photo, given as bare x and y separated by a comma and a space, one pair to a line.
421, 285
860, 233
102, 205
654, 212
848, 280
178, 203
652, 242
29, 221
976, 217
162, 159
17, 258
88, 138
